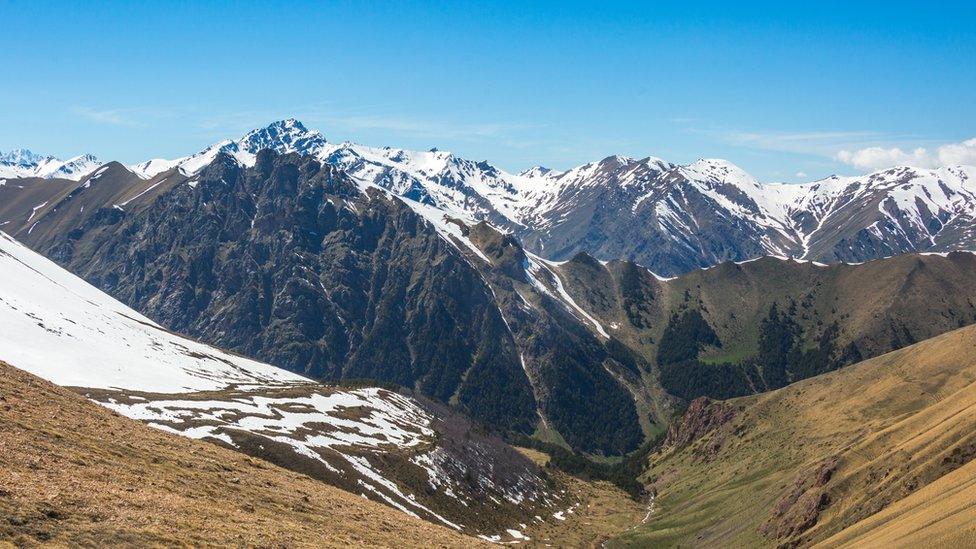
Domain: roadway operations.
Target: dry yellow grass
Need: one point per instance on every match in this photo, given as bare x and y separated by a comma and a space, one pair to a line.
942, 514
895, 425
73, 473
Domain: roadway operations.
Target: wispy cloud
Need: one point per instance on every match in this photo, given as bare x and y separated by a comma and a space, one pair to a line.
115, 117
865, 150
127, 117
815, 143
877, 158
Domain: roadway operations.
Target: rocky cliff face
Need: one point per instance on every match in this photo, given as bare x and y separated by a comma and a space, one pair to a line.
292, 264
702, 417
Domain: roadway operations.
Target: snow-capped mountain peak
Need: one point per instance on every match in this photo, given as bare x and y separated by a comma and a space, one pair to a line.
22, 157
283, 136
535, 171
718, 170
26, 163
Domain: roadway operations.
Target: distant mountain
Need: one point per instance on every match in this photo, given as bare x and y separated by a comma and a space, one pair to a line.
409, 453
671, 218
20, 163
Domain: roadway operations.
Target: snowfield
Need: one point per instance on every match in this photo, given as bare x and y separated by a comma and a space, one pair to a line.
57, 326
24, 163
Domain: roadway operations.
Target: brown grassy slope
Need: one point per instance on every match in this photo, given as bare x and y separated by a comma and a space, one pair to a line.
800, 464
74, 473
942, 514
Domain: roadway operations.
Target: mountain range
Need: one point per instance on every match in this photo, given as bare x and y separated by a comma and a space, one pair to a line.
604, 316
296, 259
24, 163
670, 218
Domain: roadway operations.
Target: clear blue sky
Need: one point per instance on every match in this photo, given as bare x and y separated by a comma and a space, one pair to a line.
777, 89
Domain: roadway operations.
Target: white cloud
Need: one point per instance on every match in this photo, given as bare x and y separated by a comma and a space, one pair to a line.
115, 117
878, 158
958, 153
810, 143
801, 174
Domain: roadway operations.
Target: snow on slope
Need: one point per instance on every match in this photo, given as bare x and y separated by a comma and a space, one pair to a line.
57, 326
24, 163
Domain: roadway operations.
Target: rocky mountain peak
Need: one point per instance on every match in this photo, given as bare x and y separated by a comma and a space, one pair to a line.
26, 163
535, 171
22, 157
283, 136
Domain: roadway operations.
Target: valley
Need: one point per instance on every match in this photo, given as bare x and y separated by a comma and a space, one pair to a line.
487, 274
476, 350
839, 459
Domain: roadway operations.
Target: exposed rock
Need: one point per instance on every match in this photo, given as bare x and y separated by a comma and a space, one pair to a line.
702, 417
798, 510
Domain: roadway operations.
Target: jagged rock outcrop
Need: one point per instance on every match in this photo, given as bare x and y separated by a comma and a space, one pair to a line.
800, 507
701, 418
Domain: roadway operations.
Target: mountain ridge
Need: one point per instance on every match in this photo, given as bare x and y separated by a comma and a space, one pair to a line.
405, 451
670, 217
21, 163
603, 207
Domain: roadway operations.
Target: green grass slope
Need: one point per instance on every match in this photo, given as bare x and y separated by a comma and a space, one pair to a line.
863, 448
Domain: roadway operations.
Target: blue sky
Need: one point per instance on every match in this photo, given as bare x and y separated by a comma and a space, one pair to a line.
780, 90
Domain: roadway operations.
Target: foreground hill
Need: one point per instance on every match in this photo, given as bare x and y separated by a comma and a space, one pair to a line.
73, 473
866, 454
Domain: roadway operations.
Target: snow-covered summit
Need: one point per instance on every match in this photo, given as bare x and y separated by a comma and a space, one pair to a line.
633, 196
22, 157
283, 136
26, 163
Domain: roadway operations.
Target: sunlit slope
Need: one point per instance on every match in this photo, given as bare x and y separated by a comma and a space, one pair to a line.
942, 514
800, 464
73, 473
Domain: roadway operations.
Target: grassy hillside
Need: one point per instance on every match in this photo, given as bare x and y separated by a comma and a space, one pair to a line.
942, 514
863, 448
830, 316
73, 473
